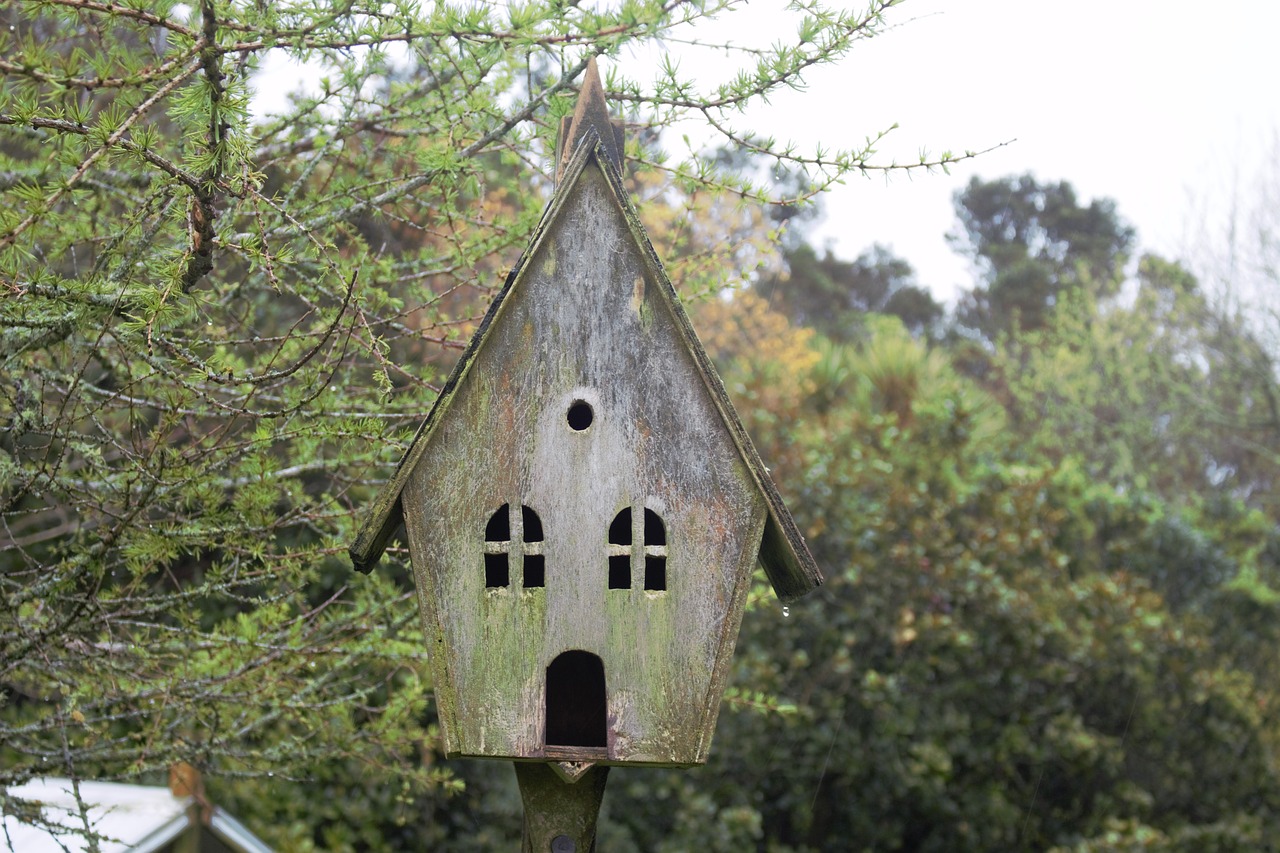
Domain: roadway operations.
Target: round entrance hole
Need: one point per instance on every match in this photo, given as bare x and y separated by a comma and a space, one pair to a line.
580, 415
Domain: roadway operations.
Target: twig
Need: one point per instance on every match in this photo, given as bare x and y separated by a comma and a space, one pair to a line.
134, 116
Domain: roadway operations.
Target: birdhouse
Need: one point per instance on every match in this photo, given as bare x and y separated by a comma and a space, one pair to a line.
582, 506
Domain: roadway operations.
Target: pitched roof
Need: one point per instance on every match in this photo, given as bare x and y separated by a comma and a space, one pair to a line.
126, 819
783, 553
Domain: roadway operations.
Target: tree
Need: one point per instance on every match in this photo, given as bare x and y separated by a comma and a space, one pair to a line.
834, 296
1003, 656
1162, 392
1238, 261
1033, 244
218, 333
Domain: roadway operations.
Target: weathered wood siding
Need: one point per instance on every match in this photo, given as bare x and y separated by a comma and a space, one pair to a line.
584, 320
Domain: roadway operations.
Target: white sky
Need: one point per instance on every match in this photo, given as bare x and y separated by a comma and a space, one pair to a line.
1166, 106
1158, 104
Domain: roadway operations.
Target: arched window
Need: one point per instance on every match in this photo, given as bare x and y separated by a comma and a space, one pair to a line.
653, 552
535, 567
500, 546
620, 551
497, 548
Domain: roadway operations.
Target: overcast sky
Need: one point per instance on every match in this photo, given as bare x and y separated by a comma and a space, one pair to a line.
1161, 105
1166, 106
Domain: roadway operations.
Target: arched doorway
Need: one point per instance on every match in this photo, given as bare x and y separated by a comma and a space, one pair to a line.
576, 704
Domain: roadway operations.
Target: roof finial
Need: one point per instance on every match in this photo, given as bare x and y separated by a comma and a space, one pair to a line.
591, 111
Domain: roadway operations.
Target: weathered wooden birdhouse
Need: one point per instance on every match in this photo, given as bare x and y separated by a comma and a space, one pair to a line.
582, 506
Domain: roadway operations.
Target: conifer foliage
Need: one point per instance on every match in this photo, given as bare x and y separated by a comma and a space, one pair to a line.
218, 330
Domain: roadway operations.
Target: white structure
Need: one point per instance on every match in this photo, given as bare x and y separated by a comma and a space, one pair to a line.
125, 819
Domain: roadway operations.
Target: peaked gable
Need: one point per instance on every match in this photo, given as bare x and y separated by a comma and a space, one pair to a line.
589, 114
783, 552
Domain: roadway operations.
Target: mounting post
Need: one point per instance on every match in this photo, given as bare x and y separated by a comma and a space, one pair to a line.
560, 809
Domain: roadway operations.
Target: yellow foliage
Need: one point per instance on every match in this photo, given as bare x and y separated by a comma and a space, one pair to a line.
767, 365
708, 241
743, 331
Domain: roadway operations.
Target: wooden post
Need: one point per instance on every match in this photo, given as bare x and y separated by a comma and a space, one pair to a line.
560, 810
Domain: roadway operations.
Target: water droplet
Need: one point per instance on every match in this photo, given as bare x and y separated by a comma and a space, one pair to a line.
271, 774
786, 611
